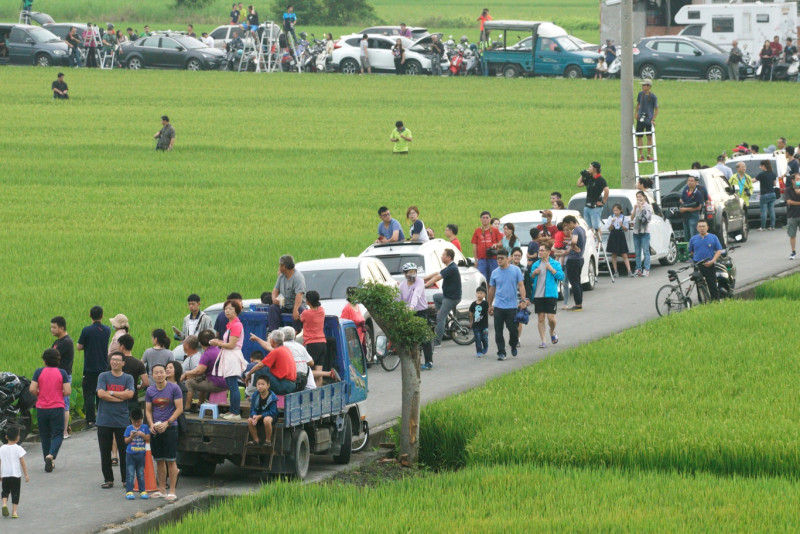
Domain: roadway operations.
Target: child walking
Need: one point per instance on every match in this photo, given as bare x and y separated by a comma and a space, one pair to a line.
12, 467
137, 436
263, 409
479, 321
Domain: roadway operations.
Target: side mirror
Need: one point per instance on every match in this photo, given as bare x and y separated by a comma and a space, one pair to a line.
381, 343
181, 49
731, 190
698, 53
29, 40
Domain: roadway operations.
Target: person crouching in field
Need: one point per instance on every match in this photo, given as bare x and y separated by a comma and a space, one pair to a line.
60, 89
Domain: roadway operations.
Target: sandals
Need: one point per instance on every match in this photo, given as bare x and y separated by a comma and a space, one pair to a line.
542, 345
254, 443
554, 339
156, 495
115, 461
107, 485
171, 497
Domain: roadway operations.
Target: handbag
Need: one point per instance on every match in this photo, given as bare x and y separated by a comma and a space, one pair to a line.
522, 316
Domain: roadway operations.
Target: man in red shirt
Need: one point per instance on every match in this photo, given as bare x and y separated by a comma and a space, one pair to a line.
777, 48
279, 363
485, 242
450, 233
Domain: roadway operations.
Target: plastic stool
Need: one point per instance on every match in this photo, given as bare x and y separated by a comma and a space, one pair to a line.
219, 397
213, 408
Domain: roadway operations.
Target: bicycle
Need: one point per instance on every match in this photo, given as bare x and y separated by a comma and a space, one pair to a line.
456, 329
385, 355
672, 298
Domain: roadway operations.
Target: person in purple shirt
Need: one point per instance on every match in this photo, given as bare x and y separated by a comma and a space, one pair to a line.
200, 379
404, 32
163, 405
412, 292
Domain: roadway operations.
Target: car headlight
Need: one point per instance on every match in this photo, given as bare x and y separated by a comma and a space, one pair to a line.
207, 56
59, 53
588, 61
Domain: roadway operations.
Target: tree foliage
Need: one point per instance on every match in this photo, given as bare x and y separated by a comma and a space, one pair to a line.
318, 12
401, 325
193, 4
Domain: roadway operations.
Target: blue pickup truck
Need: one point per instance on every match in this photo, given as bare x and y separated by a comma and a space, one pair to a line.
315, 421
544, 49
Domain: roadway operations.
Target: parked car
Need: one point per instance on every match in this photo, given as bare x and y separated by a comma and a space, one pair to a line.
61, 29
427, 256
346, 54
663, 245
32, 45
723, 210
222, 35
753, 162
525, 220
682, 57
416, 32
547, 51
169, 51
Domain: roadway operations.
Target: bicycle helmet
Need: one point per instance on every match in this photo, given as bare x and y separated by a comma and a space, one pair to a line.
410, 266
303, 35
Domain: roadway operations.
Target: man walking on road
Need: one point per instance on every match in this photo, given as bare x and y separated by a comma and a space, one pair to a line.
66, 348
448, 299
94, 344
114, 389
575, 260
505, 283
706, 248
793, 211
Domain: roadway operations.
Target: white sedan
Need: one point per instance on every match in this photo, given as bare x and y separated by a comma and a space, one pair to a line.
346, 54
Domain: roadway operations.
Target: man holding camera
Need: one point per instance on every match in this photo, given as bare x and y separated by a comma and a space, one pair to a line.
646, 111
596, 195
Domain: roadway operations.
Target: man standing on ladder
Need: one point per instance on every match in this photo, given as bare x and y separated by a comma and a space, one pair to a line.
646, 111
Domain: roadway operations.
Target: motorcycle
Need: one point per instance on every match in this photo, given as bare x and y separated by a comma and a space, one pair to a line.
456, 62
786, 71
473, 61
16, 402
614, 68
726, 273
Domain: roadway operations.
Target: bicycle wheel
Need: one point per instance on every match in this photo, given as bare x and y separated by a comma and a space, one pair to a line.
360, 442
390, 361
461, 332
703, 296
669, 300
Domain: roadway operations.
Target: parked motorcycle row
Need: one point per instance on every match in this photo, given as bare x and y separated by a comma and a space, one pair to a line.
16, 402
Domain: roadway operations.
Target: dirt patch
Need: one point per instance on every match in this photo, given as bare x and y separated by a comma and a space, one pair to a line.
377, 472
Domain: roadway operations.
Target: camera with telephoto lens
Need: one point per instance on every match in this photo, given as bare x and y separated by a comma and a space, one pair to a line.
586, 175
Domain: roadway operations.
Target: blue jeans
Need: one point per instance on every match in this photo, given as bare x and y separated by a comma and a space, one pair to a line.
279, 386
134, 468
443, 308
236, 398
641, 245
487, 267
767, 205
592, 216
75, 57
690, 221
481, 340
51, 429
565, 286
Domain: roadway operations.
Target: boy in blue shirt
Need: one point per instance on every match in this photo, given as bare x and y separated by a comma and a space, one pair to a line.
137, 436
263, 409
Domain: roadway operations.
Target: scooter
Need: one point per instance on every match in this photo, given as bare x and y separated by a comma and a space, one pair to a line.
473, 61
16, 402
614, 68
456, 62
786, 71
726, 273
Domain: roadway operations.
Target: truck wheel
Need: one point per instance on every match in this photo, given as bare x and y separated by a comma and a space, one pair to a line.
300, 453
347, 443
573, 72
358, 444
369, 345
510, 71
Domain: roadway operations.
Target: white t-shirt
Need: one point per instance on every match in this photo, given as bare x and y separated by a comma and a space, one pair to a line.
364, 45
209, 41
301, 359
10, 465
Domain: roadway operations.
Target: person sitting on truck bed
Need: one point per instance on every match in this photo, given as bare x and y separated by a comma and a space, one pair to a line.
255, 357
279, 363
302, 360
201, 379
263, 409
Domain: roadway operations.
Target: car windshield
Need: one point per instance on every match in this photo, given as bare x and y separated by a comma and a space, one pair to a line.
672, 184
523, 230
40, 35
708, 46
331, 283
753, 166
394, 263
567, 44
190, 43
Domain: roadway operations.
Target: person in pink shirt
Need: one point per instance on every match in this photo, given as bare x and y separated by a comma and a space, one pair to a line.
230, 363
353, 312
50, 385
412, 292
313, 334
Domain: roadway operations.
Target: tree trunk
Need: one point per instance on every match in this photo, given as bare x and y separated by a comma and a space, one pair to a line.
409, 430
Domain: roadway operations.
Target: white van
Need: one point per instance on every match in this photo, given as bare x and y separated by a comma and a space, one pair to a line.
750, 24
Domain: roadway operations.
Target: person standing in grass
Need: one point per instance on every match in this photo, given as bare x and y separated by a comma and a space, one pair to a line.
401, 137
50, 385
504, 286
12, 467
163, 406
114, 389
546, 272
166, 135
66, 350
93, 342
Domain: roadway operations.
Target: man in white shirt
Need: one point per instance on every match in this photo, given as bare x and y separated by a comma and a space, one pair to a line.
207, 40
302, 360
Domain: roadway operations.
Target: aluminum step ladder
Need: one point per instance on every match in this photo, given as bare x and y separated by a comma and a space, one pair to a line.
291, 45
601, 251
25, 12
646, 154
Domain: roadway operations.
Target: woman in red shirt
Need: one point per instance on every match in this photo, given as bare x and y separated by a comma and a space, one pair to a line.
314, 336
50, 385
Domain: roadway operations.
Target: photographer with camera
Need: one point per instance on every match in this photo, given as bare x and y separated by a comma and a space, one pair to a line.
596, 195
485, 242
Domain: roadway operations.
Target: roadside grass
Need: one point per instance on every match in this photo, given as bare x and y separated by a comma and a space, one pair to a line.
691, 393
520, 498
787, 287
271, 164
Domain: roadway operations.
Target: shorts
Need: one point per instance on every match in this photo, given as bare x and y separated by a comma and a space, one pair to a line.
66, 398
319, 353
592, 216
544, 305
164, 447
364, 62
792, 223
250, 27
642, 126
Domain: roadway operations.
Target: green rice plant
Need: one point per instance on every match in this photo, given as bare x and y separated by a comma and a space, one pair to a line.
521, 498
787, 287
689, 393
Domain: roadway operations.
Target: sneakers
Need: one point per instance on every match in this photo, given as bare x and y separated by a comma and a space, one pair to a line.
426, 367
554, 339
575, 308
231, 416
144, 496
514, 351
631, 274
638, 272
130, 496
793, 255
437, 343
479, 355
645, 273
501, 356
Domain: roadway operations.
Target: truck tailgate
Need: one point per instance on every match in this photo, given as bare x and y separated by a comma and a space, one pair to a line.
314, 404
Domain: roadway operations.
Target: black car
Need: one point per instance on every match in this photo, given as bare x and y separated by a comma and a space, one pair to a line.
682, 57
170, 51
723, 209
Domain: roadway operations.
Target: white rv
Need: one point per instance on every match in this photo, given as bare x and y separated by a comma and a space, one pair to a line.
751, 24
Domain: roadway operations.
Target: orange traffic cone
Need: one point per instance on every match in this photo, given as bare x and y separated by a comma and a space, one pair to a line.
149, 473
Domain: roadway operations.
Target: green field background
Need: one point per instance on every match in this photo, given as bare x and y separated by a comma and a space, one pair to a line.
271, 164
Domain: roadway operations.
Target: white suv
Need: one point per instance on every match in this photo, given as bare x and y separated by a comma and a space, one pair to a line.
346, 54
427, 256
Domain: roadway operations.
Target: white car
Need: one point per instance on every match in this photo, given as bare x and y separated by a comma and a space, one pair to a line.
663, 245
525, 220
427, 257
222, 35
346, 54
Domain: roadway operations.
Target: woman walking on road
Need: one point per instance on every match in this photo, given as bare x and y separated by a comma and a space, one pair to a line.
50, 385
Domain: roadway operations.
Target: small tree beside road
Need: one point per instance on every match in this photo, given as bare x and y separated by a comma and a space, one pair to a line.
406, 332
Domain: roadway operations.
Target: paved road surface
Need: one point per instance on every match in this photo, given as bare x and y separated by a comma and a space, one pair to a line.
70, 499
